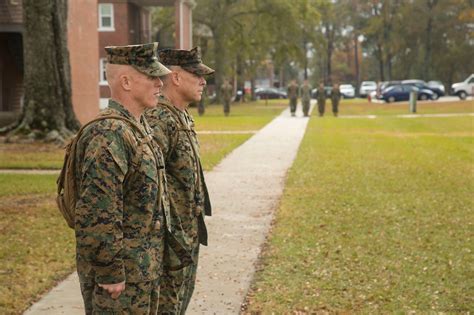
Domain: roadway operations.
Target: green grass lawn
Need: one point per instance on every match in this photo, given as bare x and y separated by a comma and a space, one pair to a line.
244, 117
363, 107
36, 250
377, 217
26, 184
30, 156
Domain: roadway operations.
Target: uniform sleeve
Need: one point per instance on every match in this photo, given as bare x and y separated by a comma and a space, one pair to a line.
99, 210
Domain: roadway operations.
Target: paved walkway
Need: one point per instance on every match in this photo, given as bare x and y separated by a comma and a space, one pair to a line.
245, 189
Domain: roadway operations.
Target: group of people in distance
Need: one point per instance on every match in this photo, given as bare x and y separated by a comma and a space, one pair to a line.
141, 193
294, 91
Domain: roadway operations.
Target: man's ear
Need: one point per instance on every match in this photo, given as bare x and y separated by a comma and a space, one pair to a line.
126, 82
175, 77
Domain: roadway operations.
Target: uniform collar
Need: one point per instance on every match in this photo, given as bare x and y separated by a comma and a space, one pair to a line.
121, 109
164, 100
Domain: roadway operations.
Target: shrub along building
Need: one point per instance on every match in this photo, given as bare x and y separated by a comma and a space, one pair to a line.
92, 25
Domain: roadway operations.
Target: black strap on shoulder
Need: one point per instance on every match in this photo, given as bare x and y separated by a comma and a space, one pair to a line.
200, 173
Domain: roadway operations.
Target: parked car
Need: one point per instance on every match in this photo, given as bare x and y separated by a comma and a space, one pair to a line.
283, 90
401, 92
463, 89
366, 87
437, 84
387, 84
422, 85
347, 90
269, 93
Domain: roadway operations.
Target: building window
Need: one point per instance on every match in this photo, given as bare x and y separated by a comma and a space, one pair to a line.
102, 75
106, 17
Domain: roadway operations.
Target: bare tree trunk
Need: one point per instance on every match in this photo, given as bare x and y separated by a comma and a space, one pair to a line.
47, 113
240, 76
220, 57
379, 54
389, 66
428, 43
282, 76
252, 88
356, 62
329, 51
305, 49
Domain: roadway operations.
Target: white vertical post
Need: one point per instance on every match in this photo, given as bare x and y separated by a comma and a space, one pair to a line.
181, 25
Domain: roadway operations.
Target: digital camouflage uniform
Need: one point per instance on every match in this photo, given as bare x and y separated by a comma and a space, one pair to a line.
119, 233
173, 130
335, 97
119, 216
305, 93
292, 92
321, 98
226, 93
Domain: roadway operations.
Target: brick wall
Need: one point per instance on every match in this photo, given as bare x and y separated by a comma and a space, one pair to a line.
183, 24
83, 42
129, 22
11, 12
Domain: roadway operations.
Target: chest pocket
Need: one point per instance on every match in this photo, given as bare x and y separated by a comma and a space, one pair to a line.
145, 169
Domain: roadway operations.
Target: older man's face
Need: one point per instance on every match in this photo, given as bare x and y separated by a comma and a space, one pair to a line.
146, 89
191, 85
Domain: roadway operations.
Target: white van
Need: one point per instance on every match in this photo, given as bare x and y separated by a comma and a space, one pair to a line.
366, 87
465, 88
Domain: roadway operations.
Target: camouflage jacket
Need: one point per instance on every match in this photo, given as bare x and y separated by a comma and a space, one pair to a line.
226, 92
305, 92
335, 95
119, 227
189, 199
292, 91
321, 95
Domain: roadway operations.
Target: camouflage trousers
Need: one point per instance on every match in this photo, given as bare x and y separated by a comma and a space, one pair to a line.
305, 107
321, 107
201, 108
293, 102
137, 298
226, 107
335, 107
177, 288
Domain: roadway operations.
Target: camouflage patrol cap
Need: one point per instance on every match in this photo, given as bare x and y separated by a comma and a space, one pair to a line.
189, 60
142, 57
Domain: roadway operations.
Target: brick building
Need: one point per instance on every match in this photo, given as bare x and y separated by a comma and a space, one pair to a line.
92, 25
11, 59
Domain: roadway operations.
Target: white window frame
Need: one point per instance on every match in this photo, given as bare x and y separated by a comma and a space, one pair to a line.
102, 78
111, 27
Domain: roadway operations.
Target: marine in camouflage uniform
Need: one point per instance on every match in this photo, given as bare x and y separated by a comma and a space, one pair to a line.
173, 129
292, 92
305, 92
120, 223
226, 93
201, 108
321, 98
335, 97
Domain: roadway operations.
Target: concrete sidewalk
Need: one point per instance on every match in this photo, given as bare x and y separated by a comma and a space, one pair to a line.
245, 189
